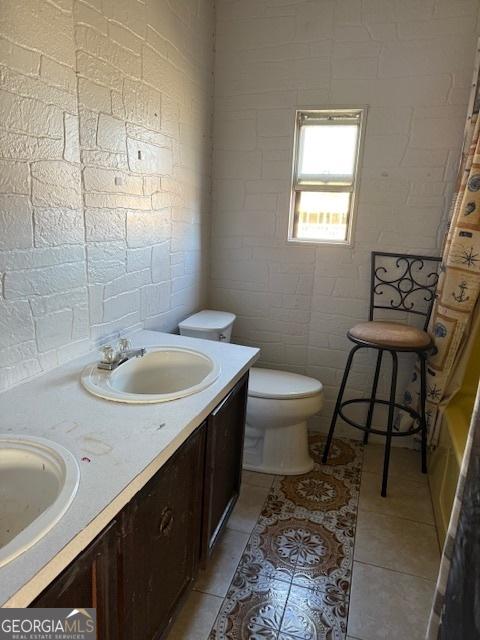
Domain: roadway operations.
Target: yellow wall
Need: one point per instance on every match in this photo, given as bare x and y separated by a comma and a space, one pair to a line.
446, 460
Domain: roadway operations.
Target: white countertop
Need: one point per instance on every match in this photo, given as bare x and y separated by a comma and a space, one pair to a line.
125, 443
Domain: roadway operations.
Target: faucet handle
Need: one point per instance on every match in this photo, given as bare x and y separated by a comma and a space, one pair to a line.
124, 345
109, 354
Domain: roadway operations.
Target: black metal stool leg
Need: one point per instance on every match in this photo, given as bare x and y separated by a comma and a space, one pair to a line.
423, 416
338, 403
391, 413
372, 397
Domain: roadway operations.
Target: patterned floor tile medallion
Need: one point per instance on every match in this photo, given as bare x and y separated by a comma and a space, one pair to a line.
293, 580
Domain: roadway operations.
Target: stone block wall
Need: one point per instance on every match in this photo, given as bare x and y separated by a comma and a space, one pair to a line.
105, 163
411, 63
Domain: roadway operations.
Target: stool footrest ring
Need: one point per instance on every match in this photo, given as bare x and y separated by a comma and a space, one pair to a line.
381, 432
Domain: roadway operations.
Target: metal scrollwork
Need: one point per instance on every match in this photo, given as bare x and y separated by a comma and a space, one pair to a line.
407, 290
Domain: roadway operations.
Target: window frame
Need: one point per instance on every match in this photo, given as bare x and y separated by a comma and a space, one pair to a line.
361, 112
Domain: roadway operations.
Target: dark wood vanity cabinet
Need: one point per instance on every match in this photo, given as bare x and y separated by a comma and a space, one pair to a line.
90, 581
138, 571
161, 529
223, 465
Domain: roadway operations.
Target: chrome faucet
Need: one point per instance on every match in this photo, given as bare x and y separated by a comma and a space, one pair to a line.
113, 358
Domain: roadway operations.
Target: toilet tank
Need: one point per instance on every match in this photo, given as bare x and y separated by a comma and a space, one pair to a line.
209, 325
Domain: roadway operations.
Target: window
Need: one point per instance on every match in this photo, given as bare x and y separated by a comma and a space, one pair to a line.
325, 175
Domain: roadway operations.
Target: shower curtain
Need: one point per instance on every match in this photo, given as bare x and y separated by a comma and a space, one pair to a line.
459, 282
456, 611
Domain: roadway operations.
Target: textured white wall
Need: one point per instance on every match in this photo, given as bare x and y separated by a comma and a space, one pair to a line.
105, 159
411, 62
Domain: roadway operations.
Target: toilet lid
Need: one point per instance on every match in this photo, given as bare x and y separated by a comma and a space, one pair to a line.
208, 320
269, 383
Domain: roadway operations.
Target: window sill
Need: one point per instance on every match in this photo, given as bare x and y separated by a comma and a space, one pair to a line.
347, 244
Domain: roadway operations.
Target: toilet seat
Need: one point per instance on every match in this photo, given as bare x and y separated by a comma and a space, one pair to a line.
281, 385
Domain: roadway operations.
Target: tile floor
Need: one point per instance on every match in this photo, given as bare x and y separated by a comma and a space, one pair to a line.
322, 556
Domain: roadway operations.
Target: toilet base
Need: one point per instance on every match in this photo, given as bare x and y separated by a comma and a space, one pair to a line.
281, 451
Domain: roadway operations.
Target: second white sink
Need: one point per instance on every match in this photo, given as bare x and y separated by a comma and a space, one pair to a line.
38, 481
162, 374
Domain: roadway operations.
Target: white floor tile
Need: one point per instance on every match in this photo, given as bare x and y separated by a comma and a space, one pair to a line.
385, 604
248, 508
405, 498
196, 618
404, 463
216, 579
257, 479
399, 544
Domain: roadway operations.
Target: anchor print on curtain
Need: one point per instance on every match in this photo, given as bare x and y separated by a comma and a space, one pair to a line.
459, 281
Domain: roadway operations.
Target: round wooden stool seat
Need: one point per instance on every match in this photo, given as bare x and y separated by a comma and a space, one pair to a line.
390, 335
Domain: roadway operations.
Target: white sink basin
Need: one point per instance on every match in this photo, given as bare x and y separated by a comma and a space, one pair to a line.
162, 374
38, 481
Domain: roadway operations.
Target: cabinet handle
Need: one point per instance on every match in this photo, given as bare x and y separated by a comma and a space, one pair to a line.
166, 521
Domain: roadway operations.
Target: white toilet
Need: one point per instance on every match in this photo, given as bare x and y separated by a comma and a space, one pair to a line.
279, 405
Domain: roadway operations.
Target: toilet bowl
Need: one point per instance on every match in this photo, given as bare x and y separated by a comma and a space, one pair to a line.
279, 405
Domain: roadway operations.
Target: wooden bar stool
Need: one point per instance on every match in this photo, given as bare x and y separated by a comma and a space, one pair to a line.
402, 283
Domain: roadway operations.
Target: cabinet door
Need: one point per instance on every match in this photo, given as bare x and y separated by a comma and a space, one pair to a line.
161, 538
90, 581
225, 435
